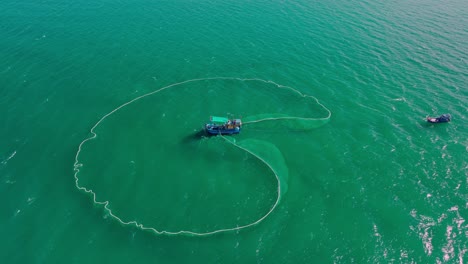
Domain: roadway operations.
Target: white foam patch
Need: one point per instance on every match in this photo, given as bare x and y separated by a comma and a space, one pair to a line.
17, 212
31, 200
379, 241
424, 230
401, 99
455, 234
6, 70
448, 248
9, 158
461, 255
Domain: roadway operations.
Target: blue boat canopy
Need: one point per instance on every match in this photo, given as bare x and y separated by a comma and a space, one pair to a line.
217, 119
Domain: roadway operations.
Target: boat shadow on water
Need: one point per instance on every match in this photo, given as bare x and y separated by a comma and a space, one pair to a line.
435, 126
194, 137
193, 145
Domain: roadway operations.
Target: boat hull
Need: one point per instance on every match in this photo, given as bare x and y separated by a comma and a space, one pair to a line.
441, 119
219, 130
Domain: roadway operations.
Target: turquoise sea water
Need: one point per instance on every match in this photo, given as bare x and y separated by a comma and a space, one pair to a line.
373, 184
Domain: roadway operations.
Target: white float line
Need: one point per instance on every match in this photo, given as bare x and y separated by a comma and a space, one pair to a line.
77, 165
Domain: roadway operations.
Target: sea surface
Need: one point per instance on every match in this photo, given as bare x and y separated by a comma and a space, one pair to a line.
359, 178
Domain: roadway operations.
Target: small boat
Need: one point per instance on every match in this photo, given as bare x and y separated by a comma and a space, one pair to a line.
441, 119
223, 126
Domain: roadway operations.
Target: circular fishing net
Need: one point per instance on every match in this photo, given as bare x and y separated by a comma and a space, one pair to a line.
150, 165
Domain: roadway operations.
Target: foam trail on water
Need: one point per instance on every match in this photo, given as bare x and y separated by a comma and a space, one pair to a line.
244, 145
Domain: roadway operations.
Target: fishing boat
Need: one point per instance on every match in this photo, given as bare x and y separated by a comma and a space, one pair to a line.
223, 126
441, 119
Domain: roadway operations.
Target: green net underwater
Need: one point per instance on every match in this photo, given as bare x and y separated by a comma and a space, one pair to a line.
149, 164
